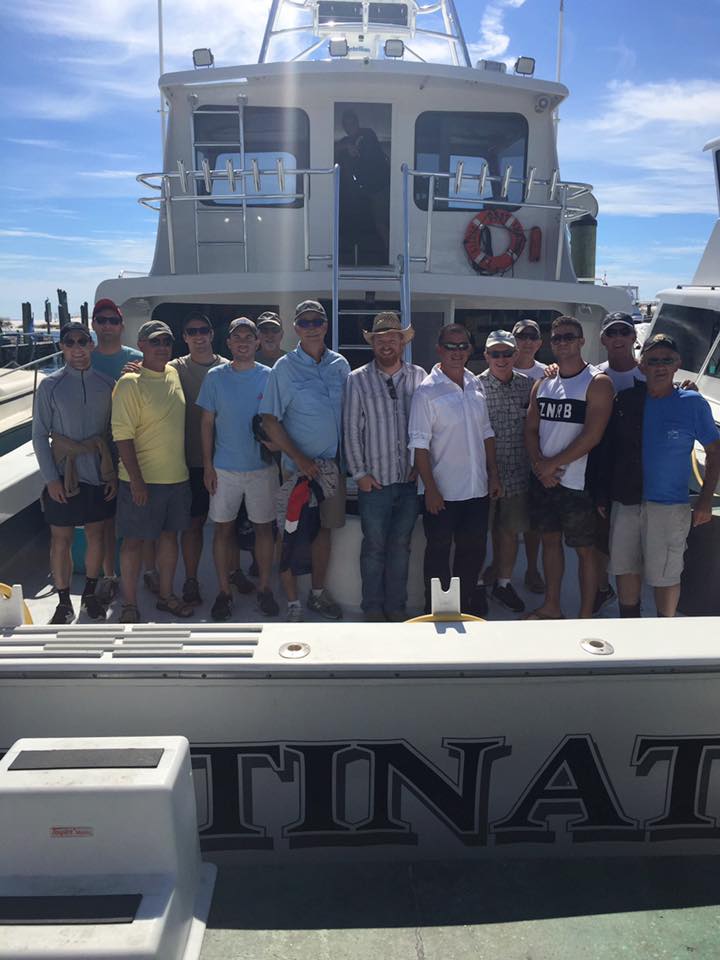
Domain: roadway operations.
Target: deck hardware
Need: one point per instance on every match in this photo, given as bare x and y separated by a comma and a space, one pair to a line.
207, 176
459, 175
230, 175
294, 651
596, 646
256, 174
183, 176
505, 185
281, 174
554, 180
529, 183
482, 179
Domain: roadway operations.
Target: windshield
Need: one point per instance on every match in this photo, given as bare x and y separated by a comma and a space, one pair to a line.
694, 329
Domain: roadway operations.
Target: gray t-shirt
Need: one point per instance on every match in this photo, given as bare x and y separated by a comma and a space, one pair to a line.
191, 376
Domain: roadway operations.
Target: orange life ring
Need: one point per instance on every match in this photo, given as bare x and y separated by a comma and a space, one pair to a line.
477, 241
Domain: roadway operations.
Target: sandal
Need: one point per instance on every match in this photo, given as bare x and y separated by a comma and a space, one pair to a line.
175, 606
129, 613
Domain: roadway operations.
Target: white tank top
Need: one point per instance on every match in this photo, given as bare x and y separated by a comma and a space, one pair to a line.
562, 405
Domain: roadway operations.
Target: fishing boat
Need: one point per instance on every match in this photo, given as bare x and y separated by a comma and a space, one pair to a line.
331, 761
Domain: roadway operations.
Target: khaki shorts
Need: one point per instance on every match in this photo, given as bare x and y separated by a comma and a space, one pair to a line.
332, 510
649, 539
257, 487
510, 514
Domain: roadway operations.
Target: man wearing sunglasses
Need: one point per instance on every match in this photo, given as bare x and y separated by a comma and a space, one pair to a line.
529, 340
270, 334
454, 450
148, 423
302, 416
110, 357
375, 414
71, 430
567, 418
647, 451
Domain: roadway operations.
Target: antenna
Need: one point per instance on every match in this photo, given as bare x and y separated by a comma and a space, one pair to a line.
161, 59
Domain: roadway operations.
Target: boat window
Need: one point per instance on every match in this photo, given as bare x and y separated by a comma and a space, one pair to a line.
271, 134
444, 139
694, 329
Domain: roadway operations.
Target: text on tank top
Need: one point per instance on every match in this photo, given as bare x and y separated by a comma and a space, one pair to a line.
562, 405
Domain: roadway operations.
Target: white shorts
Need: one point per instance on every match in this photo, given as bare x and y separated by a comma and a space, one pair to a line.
648, 539
257, 487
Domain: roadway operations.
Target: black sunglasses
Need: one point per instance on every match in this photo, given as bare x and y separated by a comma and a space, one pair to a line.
450, 345
501, 354
311, 322
197, 331
101, 321
527, 335
618, 332
659, 361
391, 389
76, 341
161, 341
564, 337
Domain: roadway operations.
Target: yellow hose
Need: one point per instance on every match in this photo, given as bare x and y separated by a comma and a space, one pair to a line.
696, 468
444, 618
6, 592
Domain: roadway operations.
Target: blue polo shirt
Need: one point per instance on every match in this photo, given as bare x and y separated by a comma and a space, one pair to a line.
671, 425
234, 397
307, 398
111, 364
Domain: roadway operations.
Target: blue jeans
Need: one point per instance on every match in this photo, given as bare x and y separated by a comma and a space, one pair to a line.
387, 518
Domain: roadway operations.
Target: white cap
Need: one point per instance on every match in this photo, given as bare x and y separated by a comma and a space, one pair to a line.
500, 338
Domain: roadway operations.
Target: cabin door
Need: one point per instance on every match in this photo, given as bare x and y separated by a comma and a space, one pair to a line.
362, 149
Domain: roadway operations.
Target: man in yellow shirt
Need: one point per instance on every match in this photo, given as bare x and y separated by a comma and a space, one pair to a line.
148, 425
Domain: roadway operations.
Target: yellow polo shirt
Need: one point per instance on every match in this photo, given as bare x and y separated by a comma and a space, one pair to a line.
149, 409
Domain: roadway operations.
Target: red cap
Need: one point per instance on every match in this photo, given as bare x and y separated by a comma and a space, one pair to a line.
106, 304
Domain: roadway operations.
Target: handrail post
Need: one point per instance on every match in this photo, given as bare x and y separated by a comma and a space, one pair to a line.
167, 196
561, 232
428, 225
407, 318
335, 257
242, 100
306, 218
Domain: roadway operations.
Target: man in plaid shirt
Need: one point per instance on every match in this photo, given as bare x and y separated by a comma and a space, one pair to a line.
507, 393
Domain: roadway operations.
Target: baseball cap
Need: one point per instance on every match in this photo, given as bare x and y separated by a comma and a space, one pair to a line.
527, 322
615, 318
154, 328
659, 340
497, 338
269, 317
310, 306
74, 325
242, 322
106, 304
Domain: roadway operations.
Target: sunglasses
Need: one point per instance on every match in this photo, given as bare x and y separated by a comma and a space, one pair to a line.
76, 341
660, 361
161, 341
527, 335
311, 322
459, 347
101, 321
618, 332
197, 331
563, 337
501, 354
391, 389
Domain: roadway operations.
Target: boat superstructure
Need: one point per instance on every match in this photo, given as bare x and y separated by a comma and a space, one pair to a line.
255, 198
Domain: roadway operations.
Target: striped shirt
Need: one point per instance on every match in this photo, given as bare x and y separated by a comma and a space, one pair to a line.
376, 425
507, 406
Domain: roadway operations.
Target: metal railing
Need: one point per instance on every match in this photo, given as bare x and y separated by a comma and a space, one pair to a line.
33, 365
560, 197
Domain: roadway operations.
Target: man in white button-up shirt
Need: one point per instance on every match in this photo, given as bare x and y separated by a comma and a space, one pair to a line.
454, 448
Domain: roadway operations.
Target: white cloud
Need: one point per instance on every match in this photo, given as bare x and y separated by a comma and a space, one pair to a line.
109, 174
40, 144
494, 41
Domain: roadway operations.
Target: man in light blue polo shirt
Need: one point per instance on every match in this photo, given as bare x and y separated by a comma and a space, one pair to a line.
234, 467
302, 408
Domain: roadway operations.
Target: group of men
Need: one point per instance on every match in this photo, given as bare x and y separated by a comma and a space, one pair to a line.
598, 456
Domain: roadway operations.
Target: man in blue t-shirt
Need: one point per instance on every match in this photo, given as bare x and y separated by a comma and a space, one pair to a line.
234, 468
649, 537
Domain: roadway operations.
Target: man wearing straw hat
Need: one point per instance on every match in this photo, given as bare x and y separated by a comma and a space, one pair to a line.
375, 427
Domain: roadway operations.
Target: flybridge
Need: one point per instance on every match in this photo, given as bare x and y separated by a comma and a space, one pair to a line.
360, 29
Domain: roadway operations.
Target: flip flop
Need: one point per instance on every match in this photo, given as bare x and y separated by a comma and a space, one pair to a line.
537, 615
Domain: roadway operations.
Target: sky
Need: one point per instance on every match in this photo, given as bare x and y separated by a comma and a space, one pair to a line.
80, 120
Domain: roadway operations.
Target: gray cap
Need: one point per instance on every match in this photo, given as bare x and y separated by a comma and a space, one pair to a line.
310, 306
527, 322
615, 319
242, 322
74, 325
500, 338
154, 328
270, 318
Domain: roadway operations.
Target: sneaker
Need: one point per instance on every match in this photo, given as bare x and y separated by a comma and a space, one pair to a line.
93, 607
478, 606
489, 576
294, 613
324, 604
151, 579
507, 597
64, 613
535, 583
222, 608
129, 613
240, 582
267, 604
603, 598
106, 590
191, 592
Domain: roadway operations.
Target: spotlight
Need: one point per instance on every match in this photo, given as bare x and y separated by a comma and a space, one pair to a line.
394, 49
525, 66
338, 47
203, 57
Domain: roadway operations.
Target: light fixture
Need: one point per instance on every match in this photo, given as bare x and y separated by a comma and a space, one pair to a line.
394, 49
525, 66
494, 66
338, 47
203, 57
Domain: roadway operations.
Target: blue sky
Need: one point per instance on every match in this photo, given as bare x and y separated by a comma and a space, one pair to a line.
80, 120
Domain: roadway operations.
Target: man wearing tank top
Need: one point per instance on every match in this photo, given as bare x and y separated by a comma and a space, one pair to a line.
566, 420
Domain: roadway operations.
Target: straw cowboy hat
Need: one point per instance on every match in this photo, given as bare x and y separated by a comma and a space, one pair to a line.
388, 322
